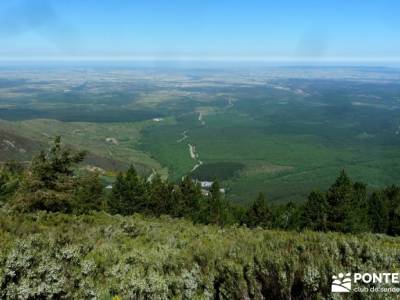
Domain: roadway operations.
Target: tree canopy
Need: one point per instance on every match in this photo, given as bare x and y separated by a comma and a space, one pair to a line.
51, 182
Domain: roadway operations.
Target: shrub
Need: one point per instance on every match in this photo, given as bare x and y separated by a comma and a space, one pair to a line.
104, 256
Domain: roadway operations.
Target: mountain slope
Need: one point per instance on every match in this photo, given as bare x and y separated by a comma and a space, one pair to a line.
99, 255
13, 146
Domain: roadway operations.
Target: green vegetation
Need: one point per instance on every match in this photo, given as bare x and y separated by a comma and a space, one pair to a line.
112, 146
283, 155
280, 131
10, 175
50, 183
63, 236
77, 115
220, 170
273, 145
98, 255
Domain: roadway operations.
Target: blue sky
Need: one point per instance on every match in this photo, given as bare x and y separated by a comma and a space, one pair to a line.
341, 30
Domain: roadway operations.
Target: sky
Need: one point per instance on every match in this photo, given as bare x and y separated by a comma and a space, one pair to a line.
248, 30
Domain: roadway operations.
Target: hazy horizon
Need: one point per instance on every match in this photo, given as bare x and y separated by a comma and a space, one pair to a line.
193, 63
340, 32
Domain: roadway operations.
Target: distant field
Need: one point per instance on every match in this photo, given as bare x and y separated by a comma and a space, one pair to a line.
281, 131
284, 166
77, 114
287, 148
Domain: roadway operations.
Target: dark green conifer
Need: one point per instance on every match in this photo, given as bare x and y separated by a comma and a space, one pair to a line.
129, 193
315, 212
49, 181
89, 194
259, 213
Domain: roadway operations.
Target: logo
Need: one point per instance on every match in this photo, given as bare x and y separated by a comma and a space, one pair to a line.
341, 283
366, 282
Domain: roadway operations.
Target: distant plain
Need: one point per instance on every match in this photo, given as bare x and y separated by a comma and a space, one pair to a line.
283, 131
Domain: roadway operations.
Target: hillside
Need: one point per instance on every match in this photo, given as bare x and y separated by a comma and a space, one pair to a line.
20, 144
100, 256
13, 146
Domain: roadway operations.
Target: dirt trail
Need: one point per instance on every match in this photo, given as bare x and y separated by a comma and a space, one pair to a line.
199, 163
151, 176
230, 104
201, 119
192, 148
195, 156
192, 151
184, 137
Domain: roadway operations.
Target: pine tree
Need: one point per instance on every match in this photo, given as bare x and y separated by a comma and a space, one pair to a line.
89, 194
161, 195
259, 214
347, 205
287, 216
357, 213
315, 212
216, 207
129, 194
10, 177
49, 182
378, 212
392, 194
115, 200
338, 197
187, 199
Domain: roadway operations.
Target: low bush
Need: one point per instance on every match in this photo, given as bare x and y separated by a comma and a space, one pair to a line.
60, 256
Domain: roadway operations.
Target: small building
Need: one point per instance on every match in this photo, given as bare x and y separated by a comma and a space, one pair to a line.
206, 184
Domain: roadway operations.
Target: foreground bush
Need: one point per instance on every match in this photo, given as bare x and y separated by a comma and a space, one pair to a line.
102, 256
